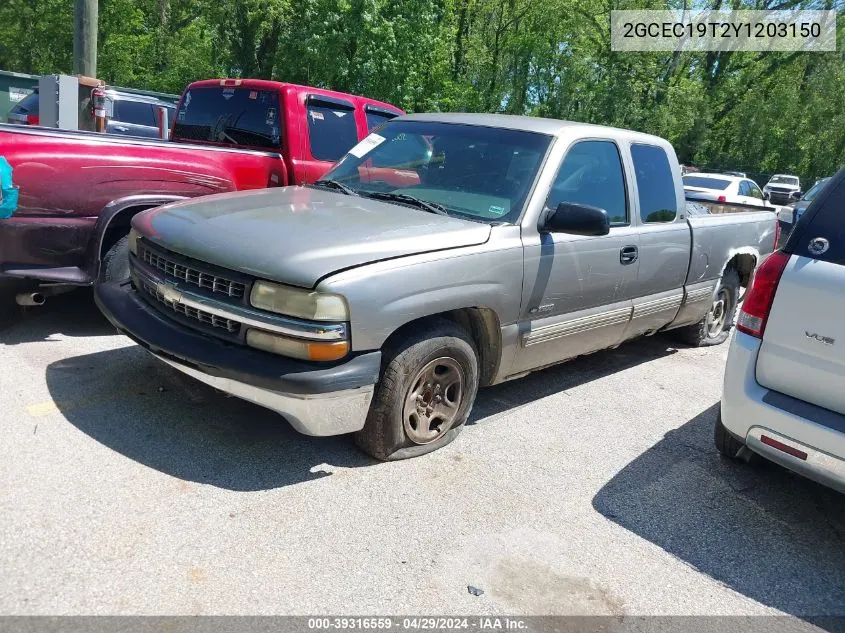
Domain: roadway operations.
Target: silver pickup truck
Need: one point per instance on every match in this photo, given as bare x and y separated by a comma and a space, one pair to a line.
443, 253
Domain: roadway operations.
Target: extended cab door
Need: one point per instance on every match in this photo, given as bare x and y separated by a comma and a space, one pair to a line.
578, 289
803, 349
663, 235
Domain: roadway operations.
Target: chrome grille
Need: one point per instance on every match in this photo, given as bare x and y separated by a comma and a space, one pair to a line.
193, 276
233, 327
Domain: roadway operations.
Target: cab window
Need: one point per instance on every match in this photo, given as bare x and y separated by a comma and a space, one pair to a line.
591, 173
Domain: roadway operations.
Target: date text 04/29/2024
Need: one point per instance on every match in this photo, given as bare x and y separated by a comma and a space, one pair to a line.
418, 623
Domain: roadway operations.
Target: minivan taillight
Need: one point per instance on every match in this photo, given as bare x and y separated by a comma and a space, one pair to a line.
760, 296
722, 199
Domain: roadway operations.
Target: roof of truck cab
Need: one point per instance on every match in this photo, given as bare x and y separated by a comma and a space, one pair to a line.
269, 84
553, 127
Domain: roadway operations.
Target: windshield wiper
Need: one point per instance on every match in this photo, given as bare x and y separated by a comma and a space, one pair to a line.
431, 207
334, 184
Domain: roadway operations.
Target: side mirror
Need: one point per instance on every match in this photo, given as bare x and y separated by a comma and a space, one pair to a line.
796, 195
766, 195
577, 219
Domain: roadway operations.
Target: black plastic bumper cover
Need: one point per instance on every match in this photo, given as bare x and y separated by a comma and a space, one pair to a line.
146, 326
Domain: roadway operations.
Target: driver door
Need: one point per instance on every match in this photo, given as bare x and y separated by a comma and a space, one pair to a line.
578, 291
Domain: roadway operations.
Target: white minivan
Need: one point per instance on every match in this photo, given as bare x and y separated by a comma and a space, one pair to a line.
784, 390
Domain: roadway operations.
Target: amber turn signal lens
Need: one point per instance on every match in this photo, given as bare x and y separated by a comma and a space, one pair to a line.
296, 348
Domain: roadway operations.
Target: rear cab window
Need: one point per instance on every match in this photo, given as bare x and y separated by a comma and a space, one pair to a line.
228, 115
703, 182
332, 129
134, 112
818, 234
655, 184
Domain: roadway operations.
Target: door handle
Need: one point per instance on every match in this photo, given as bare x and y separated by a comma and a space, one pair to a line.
121, 128
628, 255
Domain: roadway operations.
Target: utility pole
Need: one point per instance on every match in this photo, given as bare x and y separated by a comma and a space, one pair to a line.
85, 19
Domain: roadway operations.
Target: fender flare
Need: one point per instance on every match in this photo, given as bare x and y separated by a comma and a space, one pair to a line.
111, 211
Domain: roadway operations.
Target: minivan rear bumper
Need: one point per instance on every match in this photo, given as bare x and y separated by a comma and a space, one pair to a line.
751, 412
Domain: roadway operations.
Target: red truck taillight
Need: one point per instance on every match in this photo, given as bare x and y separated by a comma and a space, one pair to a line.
761, 294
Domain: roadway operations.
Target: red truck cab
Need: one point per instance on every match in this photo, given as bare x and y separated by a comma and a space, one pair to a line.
79, 190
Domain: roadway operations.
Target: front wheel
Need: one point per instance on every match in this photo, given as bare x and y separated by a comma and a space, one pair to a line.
427, 388
716, 325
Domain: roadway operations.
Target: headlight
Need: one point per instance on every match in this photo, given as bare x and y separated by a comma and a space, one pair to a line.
296, 348
296, 302
133, 241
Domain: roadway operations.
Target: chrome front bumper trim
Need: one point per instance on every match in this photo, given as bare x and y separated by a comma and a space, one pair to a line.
324, 414
176, 293
818, 466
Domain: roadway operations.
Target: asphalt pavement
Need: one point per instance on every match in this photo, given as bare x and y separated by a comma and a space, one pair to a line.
589, 488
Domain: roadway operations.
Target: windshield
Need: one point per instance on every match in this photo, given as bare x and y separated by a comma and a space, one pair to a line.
706, 183
470, 171
231, 116
784, 180
814, 190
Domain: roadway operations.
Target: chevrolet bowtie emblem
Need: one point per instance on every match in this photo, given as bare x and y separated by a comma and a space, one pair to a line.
169, 293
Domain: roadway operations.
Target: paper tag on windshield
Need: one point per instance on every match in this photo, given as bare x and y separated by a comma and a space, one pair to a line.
365, 146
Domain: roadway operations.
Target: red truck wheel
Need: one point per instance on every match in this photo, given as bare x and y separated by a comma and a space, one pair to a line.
115, 265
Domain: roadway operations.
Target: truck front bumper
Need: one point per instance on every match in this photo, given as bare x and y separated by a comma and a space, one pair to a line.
317, 399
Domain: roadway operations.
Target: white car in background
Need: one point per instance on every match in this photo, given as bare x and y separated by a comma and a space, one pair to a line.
723, 188
781, 188
783, 395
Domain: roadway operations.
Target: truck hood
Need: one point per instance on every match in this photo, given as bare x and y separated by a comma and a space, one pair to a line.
298, 235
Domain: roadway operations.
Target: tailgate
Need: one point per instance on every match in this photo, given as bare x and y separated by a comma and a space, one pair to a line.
803, 349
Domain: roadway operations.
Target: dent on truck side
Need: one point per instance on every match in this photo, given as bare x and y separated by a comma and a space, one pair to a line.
386, 296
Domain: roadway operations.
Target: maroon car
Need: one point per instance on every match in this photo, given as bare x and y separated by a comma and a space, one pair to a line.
78, 191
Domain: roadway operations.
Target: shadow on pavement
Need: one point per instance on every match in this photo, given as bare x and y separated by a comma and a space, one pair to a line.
72, 314
762, 531
151, 413
139, 407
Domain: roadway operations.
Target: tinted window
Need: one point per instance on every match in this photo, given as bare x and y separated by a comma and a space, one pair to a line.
823, 219
754, 190
374, 119
814, 190
134, 112
332, 131
472, 171
743, 189
706, 183
591, 173
235, 116
27, 105
655, 184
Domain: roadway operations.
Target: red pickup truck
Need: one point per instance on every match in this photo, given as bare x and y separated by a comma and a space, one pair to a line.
78, 191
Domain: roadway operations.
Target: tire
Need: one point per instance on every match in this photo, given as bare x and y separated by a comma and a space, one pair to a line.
421, 373
726, 443
708, 331
115, 265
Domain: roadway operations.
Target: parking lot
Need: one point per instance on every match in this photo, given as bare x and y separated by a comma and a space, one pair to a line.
589, 488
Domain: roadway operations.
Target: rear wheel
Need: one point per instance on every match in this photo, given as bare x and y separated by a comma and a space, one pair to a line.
716, 325
115, 265
726, 443
426, 391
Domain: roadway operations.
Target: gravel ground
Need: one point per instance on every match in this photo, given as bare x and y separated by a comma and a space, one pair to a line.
590, 488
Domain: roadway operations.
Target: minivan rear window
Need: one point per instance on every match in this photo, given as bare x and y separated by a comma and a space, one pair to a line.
818, 234
232, 116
